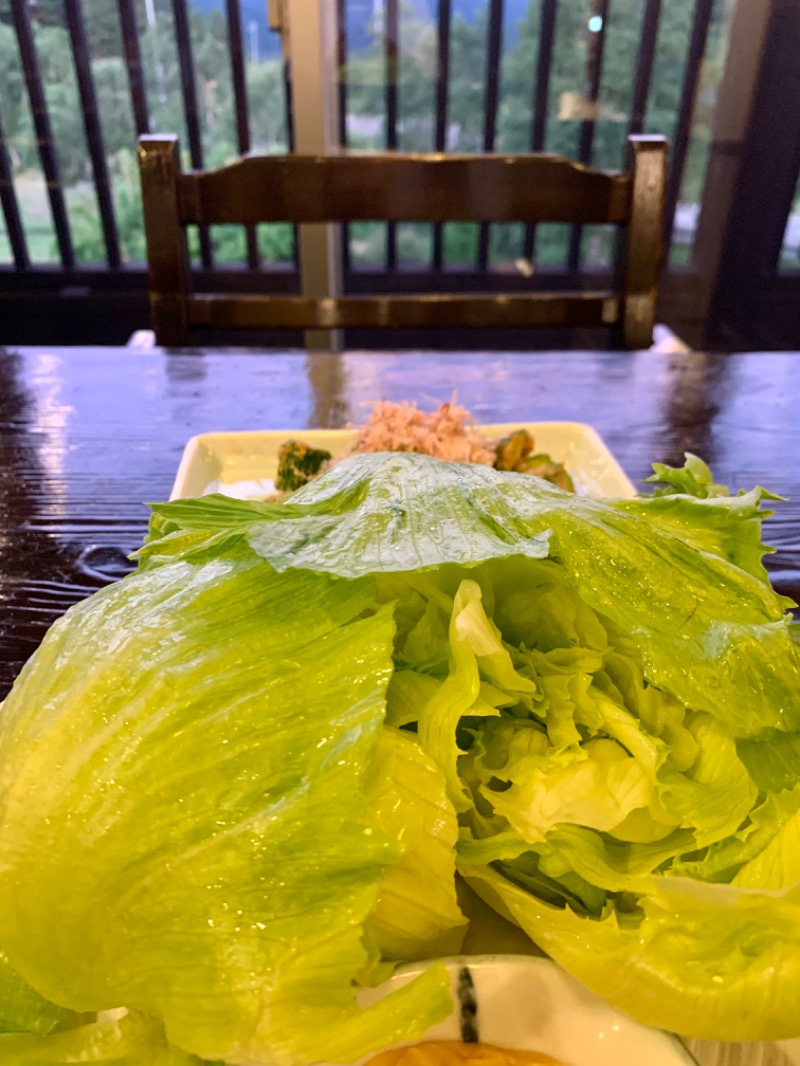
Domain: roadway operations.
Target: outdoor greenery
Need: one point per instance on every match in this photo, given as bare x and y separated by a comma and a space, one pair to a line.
366, 76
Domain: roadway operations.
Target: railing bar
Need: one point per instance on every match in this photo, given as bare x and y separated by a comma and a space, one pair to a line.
11, 209
445, 15
392, 34
541, 95
594, 70
133, 62
644, 66
341, 71
8, 199
288, 96
494, 47
683, 128
341, 81
183, 41
236, 44
94, 134
44, 134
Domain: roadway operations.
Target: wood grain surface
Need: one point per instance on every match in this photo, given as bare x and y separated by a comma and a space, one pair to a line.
88, 435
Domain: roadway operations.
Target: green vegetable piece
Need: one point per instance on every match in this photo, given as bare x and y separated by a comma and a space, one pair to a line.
512, 450
541, 465
298, 463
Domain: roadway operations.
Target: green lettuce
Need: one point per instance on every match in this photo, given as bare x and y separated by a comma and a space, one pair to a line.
22, 1009
186, 751
248, 778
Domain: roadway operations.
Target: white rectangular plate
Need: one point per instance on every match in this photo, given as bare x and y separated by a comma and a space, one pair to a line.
243, 464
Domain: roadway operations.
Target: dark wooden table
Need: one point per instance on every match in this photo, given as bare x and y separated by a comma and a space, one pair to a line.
87, 435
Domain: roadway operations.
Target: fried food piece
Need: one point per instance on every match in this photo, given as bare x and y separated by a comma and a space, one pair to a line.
514, 453
455, 1053
544, 467
513, 450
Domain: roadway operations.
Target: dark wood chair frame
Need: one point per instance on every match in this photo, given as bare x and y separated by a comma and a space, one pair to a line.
395, 187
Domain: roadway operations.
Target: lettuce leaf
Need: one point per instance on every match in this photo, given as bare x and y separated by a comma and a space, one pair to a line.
704, 960
416, 915
706, 626
22, 1009
130, 1040
184, 788
241, 781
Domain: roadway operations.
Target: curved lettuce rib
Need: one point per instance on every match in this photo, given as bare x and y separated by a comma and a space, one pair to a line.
184, 828
730, 964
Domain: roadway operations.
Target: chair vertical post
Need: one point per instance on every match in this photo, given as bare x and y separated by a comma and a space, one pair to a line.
645, 244
159, 168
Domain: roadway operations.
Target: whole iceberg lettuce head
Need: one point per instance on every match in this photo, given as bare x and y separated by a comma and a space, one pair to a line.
239, 783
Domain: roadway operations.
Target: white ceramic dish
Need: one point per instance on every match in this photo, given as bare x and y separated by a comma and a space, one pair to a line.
529, 1003
243, 464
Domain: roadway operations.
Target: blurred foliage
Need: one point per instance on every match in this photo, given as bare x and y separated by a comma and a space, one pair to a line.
566, 105
366, 75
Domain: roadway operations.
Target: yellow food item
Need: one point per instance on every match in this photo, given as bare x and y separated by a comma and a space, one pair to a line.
457, 1053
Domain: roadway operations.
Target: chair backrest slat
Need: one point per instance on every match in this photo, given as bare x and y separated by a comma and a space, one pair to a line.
398, 188
404, 188
584, 309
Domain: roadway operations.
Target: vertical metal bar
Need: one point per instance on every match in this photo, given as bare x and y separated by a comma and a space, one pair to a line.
236, 45
341, 81
8, 199
391, 38
541, 93
341, 63
491, 101
94, 134
594, 68
44, 134
680, 141
133, 61
442, 85
644, 66
288, 96
183, 40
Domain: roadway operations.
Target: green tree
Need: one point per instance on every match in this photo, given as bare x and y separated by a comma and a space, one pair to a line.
103, 31
47, 12
266, 96
12, 83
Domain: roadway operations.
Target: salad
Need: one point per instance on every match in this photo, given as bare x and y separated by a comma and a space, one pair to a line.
253, 776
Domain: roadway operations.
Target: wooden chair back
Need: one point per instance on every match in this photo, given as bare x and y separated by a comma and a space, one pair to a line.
396, 188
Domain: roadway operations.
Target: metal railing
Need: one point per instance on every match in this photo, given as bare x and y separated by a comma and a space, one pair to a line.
251, 269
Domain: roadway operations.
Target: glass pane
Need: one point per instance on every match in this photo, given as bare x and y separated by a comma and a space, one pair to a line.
368, 244
598, 247
790, 250
414, 245
276, 242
